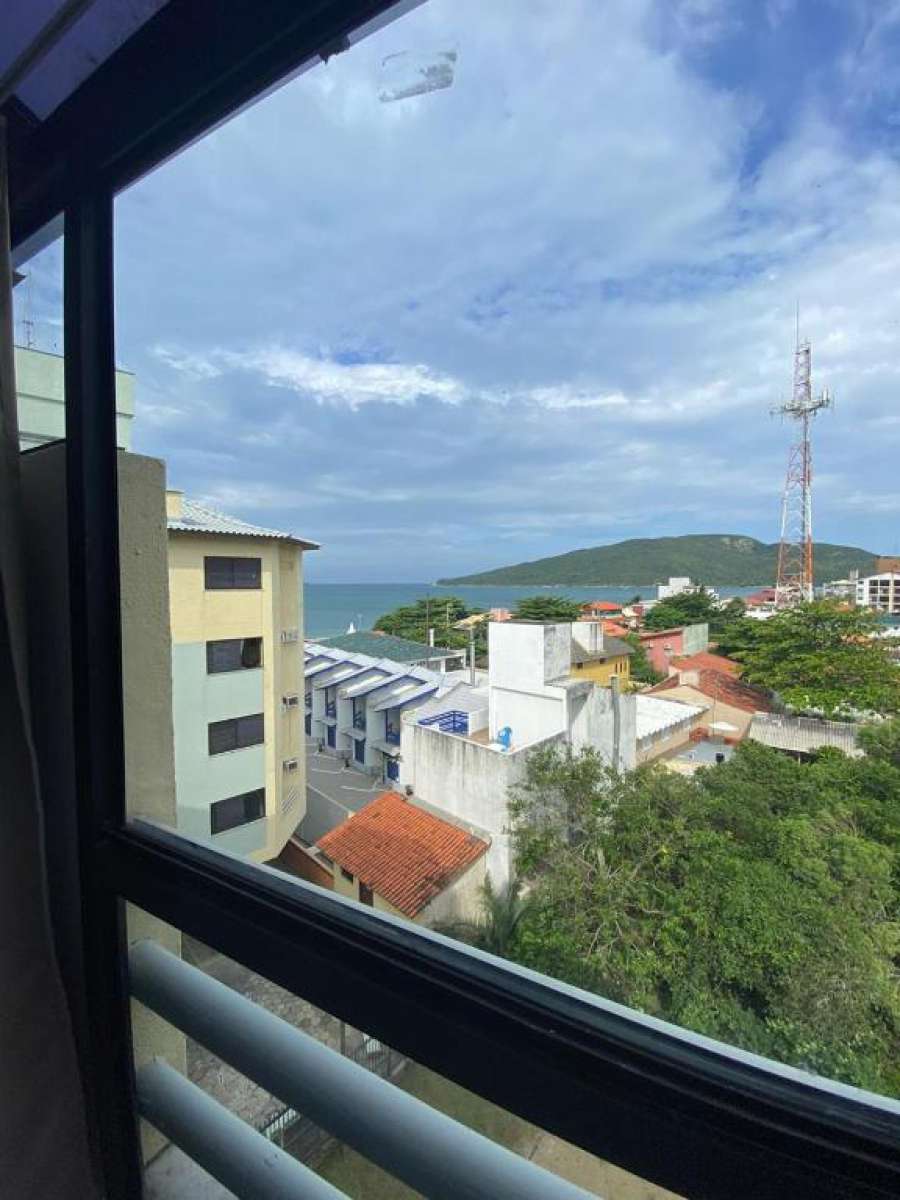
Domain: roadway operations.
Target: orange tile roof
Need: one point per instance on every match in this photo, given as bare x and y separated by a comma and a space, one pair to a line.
614, 629
706, 661
721, 686
400, 851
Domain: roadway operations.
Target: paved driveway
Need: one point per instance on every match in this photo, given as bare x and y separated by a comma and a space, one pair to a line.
333, 792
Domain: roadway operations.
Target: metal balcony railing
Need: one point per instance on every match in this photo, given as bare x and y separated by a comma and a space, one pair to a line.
452, 721
425, 1149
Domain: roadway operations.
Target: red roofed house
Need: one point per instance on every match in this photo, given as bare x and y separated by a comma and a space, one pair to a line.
401, 859
733, 701
682, 665
595, 609
614, 629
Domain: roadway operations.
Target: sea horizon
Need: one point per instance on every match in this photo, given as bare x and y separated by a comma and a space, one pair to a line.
330, 608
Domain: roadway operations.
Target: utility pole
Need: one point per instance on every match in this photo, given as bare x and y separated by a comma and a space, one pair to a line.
795, 579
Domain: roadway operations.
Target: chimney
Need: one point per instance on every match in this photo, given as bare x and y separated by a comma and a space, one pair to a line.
174, 504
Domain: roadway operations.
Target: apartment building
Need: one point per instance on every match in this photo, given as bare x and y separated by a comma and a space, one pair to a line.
235, 595
41, 395
354, 702
881, 592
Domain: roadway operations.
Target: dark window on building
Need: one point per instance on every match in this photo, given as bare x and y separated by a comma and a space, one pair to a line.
365, 894
222, 574
348, 875
233, 654
235, 733
237, 810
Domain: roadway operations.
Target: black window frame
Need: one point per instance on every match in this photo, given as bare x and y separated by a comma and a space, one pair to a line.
244, 732
229, 572
701, 1118
244, 651
253, 809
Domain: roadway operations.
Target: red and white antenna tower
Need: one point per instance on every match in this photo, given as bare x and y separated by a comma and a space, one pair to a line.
794, 584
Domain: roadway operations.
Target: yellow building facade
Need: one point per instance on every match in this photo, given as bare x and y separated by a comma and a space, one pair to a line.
236, 620
600, 666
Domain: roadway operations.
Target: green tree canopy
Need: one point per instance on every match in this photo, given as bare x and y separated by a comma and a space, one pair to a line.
755, 902
822, 657
439, 613
548, 608
687, 608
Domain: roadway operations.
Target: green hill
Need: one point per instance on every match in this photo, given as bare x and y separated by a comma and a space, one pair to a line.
717, 559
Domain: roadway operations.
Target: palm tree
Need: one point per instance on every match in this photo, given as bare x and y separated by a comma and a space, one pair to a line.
501, 915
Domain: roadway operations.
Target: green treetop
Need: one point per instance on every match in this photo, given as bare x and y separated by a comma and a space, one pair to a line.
822, 657
755, 901
547, 608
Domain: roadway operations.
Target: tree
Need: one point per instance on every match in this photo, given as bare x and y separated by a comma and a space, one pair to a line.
882, 741
822, 657
642, 670
756, 901
547, 608
687, 608
502, 912
439, 613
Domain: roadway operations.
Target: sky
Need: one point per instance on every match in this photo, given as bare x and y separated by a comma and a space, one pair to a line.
547, 307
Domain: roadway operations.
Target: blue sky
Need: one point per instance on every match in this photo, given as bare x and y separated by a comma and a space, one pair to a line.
547, 307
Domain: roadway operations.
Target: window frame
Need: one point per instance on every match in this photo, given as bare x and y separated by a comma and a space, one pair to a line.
219, 726
232, 573
256, 794
722, 1123
242, 644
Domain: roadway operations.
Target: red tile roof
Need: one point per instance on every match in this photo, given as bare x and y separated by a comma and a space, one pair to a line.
614, 629
601, 606
401, 852
705, 660
721, 686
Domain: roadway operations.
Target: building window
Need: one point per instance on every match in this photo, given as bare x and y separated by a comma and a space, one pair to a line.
225, 574
348, 875
365, 894
235, 733
237, 810
233, 654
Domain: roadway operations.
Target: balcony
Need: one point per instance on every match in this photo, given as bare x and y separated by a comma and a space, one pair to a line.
330, 708
452, 721
413, 1142
359, 720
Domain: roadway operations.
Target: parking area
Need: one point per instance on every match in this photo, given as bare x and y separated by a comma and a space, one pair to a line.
333, 792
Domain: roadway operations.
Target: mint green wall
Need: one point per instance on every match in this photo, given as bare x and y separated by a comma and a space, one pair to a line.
201, 778
40, 397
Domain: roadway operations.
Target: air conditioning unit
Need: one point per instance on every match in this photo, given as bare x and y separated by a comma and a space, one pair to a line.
291, 764
290, 635
291, 701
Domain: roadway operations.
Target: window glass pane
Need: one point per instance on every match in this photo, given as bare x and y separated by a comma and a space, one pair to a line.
683, 799
222, 736
250, 730
223, 656
237, 810
247, 572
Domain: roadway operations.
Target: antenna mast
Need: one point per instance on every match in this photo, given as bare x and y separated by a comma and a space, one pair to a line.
794, 584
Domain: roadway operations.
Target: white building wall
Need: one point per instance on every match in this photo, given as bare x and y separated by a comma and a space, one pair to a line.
465, 778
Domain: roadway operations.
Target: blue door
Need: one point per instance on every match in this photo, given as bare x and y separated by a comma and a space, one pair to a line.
359, 749
393, 769
330, 735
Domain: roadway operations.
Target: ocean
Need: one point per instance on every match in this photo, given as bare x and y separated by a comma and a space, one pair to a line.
330, 607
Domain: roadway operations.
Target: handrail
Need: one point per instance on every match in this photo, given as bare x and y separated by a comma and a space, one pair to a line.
245, 1161
412, 1141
